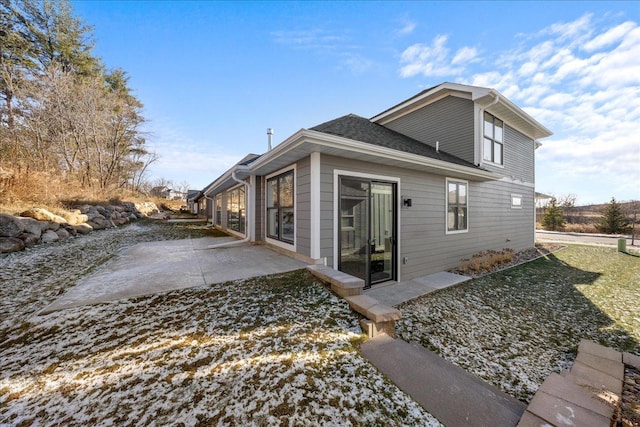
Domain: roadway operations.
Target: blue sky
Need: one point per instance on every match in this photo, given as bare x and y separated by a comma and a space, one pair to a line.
215, 75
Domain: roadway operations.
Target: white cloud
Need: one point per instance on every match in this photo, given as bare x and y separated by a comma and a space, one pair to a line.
581, 79
610, 37
434, 59
357, 63
408, 27
312, 39
466, 54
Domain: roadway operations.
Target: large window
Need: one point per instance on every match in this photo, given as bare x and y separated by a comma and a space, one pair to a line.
457, 211
218, 200
493, 139
280, 213
236, 209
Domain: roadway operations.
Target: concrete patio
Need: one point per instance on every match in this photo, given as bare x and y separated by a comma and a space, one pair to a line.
153, 267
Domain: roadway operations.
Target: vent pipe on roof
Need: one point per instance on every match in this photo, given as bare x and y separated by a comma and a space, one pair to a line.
437, 146
269, 136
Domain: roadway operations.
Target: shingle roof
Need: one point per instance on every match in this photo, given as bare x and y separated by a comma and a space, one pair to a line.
360, 129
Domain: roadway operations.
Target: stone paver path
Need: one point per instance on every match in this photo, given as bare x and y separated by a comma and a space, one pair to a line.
449, 393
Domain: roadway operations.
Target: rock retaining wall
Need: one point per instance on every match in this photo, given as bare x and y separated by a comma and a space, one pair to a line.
36, 226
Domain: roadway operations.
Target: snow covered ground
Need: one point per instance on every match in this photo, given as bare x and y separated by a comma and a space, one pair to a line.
515, 327
280, 350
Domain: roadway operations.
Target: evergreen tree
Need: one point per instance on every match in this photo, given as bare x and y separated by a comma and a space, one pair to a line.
613, 220
553, 218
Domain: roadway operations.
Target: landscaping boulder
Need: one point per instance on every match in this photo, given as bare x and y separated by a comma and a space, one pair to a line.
9, 227
31, 226
53, 226
50, 236
83, 228
62, 233
43, 215
93, 214
99, 222
10, 244
71, 229
75, 217
147, 208
30, 239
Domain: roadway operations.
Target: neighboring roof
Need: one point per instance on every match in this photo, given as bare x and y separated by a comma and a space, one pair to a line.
360, 129
249, 158
543, 196
490, 99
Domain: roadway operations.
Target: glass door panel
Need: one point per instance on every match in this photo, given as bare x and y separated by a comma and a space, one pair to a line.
354, 227
382, 232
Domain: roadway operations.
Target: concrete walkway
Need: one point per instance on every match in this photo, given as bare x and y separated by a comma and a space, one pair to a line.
396, 293
449, 393
153, 267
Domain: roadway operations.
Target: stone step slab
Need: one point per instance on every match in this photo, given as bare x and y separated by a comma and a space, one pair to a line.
530, 420
631, 360
560, 412
610, 367
561, 387
341, 283
372, 309
588, 376
595, 349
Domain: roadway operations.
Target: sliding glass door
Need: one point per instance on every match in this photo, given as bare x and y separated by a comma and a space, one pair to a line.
367, 229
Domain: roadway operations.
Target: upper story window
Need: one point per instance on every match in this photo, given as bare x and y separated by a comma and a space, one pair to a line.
457, 209
280, 212
493, 139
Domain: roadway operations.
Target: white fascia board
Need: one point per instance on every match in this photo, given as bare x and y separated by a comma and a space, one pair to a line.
543, 131
438, 92
225, 177
383, 152
339, 142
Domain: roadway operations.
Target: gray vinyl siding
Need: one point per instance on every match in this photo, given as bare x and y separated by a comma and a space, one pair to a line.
449, 120
519, 154
303, 206
493, 224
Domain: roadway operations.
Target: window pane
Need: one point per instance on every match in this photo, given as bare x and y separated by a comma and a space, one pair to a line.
488, 125
498, 130
451, 218
462, 219
241, 198
487, 150
286, 190
452, 193
288, 225
497, 152
272, 223
272, 193
462, 194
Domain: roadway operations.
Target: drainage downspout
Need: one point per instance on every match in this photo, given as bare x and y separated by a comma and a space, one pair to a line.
248, 222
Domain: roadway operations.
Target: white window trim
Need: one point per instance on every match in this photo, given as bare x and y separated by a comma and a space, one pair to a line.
337, 173
521, 201
314, 215
481, 141
446, 206
284, 245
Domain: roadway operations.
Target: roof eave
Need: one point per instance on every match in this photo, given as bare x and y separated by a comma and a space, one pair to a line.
337, 142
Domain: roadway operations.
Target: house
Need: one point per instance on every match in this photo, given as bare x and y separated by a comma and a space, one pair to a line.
408, 192
192, 206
